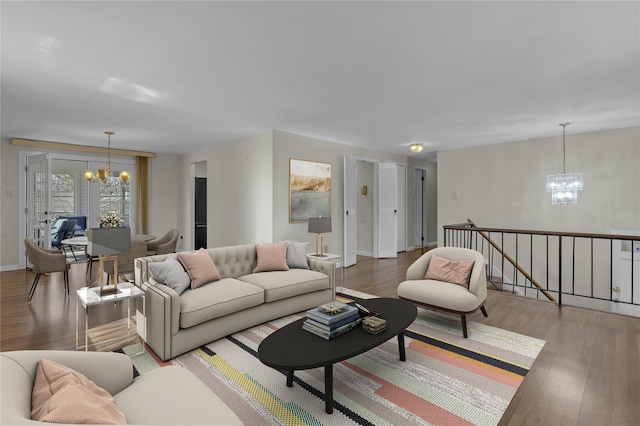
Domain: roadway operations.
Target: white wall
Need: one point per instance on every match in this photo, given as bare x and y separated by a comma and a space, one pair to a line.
239, 191
503, 185
289, 145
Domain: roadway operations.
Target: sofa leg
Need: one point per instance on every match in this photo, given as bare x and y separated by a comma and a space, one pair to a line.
484, 311
463, 319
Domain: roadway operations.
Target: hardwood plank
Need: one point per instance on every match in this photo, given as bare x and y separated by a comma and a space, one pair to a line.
587, 372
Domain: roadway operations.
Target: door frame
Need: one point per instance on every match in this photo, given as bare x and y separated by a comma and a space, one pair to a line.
374, 193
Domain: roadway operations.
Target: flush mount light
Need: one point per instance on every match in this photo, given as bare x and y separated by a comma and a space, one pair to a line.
416, 147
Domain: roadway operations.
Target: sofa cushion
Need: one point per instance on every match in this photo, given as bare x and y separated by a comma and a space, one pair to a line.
170, 273
63, 395
281, 285
297, 255
200, 267
272, 257
217, 299
451, 271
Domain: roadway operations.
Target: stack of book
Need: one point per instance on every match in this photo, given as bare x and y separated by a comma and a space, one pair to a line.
331, 320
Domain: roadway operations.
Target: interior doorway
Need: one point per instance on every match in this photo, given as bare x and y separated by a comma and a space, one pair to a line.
200, 206
420, 208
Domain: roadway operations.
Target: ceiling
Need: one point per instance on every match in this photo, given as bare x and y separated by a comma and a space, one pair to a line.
177, 77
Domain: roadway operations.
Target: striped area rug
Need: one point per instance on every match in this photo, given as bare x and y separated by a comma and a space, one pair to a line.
446, 380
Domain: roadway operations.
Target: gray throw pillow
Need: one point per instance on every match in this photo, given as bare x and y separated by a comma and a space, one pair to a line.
170, 273
297, 255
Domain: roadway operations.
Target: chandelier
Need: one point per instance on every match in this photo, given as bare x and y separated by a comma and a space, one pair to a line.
564, 186
105, 176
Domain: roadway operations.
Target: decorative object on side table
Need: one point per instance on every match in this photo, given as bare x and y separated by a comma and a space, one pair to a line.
331, 320
104, 243
319, 225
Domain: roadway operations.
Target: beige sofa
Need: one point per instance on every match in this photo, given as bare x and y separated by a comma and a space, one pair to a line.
165, 396
241, 299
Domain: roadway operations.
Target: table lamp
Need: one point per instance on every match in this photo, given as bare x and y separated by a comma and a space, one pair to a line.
105, 243
319, 225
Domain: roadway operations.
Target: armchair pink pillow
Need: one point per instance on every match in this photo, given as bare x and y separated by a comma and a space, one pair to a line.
451, 271
272, 257
200, 267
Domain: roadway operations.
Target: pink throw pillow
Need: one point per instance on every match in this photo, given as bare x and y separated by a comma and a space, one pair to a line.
272, 257
451, 271
200, 267
63, 395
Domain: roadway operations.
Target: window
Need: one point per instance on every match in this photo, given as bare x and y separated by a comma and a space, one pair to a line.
62, 194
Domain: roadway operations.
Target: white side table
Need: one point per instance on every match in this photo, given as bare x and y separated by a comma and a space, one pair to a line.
90, 296
335, 258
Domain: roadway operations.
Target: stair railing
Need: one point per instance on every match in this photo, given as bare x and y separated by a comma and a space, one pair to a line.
600, 268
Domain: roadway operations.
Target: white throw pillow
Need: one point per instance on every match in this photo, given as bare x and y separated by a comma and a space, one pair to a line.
170, 273
297, 255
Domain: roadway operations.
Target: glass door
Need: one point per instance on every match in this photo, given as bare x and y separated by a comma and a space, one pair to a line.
38, 199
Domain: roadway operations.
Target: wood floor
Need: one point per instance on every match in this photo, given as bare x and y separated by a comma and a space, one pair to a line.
588, 373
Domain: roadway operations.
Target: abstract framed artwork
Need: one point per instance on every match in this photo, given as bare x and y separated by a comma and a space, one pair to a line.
309, 190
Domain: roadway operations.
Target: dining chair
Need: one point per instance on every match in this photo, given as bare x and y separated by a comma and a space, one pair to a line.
45, 261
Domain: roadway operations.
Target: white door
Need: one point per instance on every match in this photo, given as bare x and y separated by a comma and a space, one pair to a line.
385, 214
38, 199
401, 202
349, 212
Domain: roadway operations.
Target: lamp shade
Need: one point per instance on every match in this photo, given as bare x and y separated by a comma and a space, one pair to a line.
103, 241
319, 225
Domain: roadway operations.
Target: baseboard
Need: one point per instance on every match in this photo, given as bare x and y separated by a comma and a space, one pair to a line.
9, 268
364, 253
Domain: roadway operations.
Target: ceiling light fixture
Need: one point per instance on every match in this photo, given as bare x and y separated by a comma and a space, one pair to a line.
564, 186
416, 147
105, 176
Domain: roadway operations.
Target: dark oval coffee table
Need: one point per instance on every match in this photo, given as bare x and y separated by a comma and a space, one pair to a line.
293, 348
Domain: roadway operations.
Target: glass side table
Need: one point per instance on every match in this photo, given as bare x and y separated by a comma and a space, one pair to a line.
90, 296
335, 258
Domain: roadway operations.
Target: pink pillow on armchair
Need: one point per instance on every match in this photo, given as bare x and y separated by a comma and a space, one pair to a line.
451, 271
272, 257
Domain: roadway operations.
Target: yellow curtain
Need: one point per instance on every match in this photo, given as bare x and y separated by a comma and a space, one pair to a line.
142, 194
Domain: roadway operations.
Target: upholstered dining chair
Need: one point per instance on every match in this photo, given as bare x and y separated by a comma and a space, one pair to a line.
126, 261
66, 230
450, 279
45, 261
165, 244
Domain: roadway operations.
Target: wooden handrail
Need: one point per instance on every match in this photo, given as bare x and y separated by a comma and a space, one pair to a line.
509, 258
465, 226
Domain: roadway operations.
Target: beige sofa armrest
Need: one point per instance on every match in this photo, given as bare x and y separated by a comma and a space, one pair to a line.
326, 267
110, 370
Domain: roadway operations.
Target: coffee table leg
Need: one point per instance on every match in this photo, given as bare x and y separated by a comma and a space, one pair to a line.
328, 388
403, 356
290, 378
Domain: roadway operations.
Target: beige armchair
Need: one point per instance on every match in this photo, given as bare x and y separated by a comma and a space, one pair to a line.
446, 296
165, 244
126, 260
45, 261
